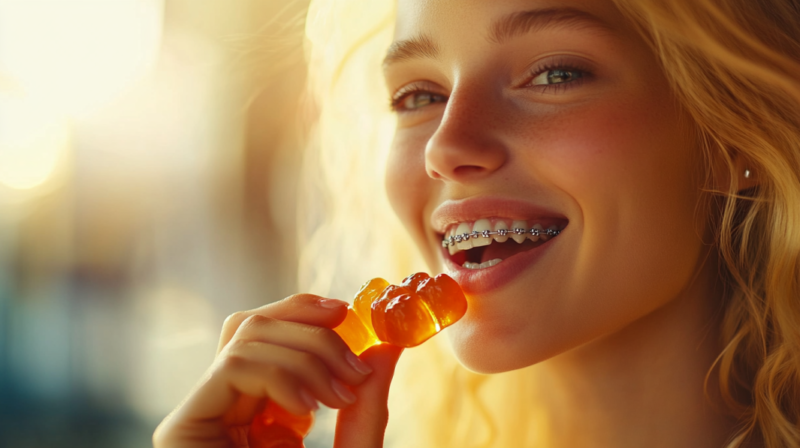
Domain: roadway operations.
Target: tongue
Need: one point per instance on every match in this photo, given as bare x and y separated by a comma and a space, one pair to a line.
507, 249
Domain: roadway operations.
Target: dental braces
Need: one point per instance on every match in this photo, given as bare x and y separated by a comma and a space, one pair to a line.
455, 239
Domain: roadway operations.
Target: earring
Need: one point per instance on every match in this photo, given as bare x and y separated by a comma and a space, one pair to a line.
747, 174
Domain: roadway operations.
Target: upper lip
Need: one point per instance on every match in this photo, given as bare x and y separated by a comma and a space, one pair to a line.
472, 209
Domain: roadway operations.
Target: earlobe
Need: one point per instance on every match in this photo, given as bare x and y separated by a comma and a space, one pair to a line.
747, 175
741, 172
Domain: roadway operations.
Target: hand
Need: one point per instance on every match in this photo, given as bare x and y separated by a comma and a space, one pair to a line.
285, 352
362, 424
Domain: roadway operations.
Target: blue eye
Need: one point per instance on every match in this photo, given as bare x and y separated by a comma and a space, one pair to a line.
415, 99
556, 76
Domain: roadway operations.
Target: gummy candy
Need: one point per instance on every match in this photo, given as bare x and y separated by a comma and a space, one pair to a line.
275, 427
405, 315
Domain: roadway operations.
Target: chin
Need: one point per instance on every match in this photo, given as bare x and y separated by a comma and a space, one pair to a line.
482, 350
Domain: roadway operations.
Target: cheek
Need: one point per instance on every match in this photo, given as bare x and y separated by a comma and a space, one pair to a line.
628, 170
628, 164
407, 185
627, 147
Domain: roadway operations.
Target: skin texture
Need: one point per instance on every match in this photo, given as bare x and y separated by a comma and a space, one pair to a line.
623, 305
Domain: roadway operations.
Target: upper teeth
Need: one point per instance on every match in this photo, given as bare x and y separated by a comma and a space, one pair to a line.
482, 233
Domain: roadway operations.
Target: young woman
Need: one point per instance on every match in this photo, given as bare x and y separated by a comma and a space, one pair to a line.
661, 138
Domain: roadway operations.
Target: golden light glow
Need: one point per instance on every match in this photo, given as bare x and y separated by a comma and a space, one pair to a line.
60, 59
33, 139
78, 54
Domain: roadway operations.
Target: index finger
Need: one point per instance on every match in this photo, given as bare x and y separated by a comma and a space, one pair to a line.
300, 308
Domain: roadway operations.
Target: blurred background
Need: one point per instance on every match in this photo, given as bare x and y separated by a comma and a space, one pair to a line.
149, 151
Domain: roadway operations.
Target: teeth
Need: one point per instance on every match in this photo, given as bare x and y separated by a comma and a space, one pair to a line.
467, 235
500, 225
490, 263
518, 229
484, 265
536, 237
480, 226
546, 237
466, 242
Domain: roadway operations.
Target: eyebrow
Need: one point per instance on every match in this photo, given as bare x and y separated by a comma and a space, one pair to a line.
502, 30
523, 22
417, 47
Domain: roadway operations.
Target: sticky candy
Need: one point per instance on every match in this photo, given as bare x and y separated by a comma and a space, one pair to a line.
405, 315
275, 427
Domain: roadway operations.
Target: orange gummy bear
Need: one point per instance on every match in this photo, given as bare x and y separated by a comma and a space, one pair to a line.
405, 315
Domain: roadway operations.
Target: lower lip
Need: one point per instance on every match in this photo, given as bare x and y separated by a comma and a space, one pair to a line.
479, 281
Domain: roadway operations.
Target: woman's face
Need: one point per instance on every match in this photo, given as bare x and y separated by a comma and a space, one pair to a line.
550, 112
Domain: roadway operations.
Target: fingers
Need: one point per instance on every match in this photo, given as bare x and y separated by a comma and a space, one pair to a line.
362, 425
321, 342
300, 308
269, 381
286, 352
276, 364
294, 380
319, 362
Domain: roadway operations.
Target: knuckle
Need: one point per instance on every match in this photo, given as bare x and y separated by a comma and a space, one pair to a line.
301, 299
233, 362
233, 319
255, 320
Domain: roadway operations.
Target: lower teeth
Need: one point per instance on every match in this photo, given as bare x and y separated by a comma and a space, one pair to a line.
485, 264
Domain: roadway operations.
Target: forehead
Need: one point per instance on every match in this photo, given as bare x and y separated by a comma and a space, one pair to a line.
449, 17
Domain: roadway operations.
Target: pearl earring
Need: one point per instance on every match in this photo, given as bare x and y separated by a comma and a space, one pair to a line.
747, 174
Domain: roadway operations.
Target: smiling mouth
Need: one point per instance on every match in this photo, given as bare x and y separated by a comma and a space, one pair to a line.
489, 241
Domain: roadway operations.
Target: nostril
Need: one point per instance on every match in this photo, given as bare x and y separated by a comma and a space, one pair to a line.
467, 170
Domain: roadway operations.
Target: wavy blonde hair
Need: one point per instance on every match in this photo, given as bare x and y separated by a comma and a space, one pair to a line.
734, 66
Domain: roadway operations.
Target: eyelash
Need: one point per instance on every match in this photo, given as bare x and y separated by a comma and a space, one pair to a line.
410, 89
400, 96
562, 86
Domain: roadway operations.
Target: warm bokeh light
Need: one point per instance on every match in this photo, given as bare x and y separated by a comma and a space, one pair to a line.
65, 58
78, 54
33, 140
148, 159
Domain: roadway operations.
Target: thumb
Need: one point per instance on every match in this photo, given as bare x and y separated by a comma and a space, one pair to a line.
362, 424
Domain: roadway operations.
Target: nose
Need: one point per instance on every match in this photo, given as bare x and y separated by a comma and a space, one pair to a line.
467, 145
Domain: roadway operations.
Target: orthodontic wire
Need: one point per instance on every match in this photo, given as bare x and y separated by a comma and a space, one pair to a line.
454, 239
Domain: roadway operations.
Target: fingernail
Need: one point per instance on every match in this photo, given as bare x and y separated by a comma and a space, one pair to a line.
359, 365
343, 392
308, 400
331, 303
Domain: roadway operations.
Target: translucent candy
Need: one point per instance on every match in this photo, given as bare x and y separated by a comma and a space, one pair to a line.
275, 427
405, 315
443, 296
401, 317
356, 330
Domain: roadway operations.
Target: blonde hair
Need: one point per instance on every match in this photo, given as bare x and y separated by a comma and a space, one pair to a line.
734, 66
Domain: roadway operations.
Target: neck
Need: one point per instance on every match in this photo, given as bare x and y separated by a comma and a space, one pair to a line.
646, 384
